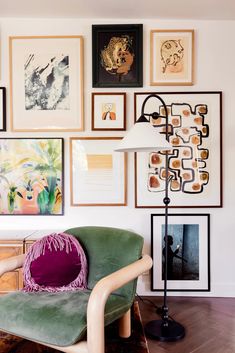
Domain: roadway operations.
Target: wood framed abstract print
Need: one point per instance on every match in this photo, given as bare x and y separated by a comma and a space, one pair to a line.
2, 109
188, 260
195, 163
46, 83
98, 174
171, 57
108, 111
32, 177
117, 55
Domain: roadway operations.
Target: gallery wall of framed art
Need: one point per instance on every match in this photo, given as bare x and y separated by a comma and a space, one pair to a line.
90, 109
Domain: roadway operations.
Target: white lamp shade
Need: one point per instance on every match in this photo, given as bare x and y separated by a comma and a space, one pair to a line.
143, 137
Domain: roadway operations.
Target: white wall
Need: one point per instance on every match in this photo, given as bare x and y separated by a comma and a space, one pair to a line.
215, 70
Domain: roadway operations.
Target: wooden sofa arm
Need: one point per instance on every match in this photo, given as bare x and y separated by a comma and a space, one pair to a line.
99, 296
11, 263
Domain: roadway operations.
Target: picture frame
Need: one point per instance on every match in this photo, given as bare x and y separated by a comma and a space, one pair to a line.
189, 260
108, 111
117, 55
2, 109
98, 173
171, 57
33, 177
195, 179
46, 83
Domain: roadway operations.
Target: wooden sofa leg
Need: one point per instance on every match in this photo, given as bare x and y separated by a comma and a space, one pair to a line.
125, 325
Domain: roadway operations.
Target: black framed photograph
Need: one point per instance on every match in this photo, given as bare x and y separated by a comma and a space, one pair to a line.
188, 255
117, 55
2, 109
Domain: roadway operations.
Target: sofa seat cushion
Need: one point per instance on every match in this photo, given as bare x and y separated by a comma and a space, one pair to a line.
53, 318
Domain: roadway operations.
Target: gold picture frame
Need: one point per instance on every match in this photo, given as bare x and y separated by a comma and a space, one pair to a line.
98, 174
171, 57
46, 83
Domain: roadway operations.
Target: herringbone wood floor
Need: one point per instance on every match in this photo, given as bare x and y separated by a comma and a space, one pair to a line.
209, 324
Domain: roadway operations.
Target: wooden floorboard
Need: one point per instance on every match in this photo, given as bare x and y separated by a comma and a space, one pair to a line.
209, 324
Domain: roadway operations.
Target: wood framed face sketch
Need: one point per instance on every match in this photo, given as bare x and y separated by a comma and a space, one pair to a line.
117, 55
98, 173
171, 57
188, 260
46, 83
108, 111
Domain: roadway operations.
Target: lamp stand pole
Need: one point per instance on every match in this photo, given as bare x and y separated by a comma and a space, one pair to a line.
164, 329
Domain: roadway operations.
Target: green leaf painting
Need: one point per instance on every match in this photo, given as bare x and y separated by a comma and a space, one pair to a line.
31, 176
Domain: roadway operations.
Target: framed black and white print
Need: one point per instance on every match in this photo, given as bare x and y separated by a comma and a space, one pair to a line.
188, 260
46, 83
117, 55
195, 163
2, 109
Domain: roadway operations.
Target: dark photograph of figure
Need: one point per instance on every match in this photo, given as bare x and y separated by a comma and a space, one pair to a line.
183, 252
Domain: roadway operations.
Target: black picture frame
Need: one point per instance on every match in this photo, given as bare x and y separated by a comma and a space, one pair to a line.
3, 124
190, 270
122, 75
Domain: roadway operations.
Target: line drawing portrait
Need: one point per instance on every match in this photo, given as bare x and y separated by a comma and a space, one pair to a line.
108, 111
172, 55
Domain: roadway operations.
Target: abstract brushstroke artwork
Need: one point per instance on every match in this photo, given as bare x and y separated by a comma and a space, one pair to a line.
194, 163
188, 260
46, 83
31, 176
171, 57
117, 55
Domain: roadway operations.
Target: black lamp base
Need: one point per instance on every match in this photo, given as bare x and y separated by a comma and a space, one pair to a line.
173, 332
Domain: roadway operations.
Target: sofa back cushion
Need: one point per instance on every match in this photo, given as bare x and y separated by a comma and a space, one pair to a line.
107, 250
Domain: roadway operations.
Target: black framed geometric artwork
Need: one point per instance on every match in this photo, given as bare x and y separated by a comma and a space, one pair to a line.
195, 162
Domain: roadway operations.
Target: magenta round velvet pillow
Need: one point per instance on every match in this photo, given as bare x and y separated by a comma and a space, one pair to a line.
55, 263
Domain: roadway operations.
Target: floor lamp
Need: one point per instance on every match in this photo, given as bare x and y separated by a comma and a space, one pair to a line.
143, 137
